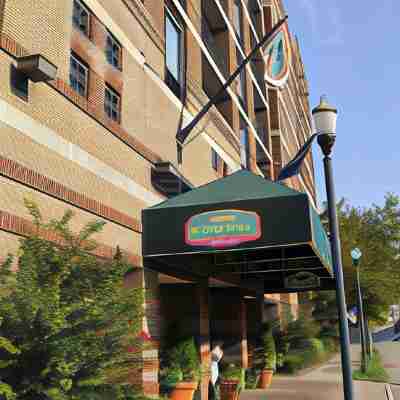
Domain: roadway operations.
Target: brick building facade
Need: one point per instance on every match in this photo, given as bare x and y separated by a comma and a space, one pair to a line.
129, 74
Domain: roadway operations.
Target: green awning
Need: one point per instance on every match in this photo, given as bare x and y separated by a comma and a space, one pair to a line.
261, 234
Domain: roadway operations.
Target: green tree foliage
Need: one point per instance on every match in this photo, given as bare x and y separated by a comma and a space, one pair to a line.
376, 232
301, 330
183, 361
269, 348
68, 324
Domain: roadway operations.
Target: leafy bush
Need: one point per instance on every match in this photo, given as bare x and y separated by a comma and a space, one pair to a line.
269, 348
69, 326
252, 376
182, 364
234, 372
231, 371
293, 363
302, 328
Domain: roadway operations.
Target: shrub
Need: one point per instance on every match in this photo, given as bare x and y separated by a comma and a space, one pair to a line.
234, 372
183, 363
251, 378
293, 363
303, 328
69, 325
269, 349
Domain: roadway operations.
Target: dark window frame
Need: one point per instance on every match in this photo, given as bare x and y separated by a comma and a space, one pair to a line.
177, 86
77, 21
214, 159
114, 42
238, 29
109, 109
19, 83
74, 57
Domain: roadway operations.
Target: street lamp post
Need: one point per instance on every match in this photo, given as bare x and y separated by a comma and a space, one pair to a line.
325, 117
356, 256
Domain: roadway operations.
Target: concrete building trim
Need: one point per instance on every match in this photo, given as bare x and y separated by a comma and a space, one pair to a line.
231, 163
219, 75
27, 126
22, 227
30, 178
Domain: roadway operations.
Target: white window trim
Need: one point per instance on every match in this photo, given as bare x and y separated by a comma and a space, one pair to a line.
233, 95
239, 46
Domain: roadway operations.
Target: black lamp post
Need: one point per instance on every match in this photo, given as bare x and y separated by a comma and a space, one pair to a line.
356, 256
325, 117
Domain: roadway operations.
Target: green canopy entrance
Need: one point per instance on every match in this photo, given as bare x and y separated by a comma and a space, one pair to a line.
243, 229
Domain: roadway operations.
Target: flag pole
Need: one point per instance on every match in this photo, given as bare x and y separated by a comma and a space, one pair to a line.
184, 133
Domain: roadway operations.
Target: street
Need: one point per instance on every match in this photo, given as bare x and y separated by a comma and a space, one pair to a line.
325, 381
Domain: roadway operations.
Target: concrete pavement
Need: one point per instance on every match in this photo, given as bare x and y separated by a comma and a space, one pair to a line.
325, 382
390, 352
322, 383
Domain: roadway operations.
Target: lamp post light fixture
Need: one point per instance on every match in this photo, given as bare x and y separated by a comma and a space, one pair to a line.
325, 117
356, 256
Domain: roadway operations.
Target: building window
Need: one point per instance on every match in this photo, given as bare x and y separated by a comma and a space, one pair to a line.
112, 104
19, 83
81, 17
113, 51
214, 159
173, 53
242, 80
244, 147
78, 76
237, 18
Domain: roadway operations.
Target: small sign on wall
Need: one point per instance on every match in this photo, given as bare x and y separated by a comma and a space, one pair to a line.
222, 228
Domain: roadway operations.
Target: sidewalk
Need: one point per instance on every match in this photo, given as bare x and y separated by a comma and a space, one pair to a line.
321, 383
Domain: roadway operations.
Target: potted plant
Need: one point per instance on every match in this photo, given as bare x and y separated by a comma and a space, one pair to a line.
268, 365
182, 372
231, 381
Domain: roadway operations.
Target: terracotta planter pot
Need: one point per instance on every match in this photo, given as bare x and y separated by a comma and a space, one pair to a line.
183, 391
229, 389
265, 378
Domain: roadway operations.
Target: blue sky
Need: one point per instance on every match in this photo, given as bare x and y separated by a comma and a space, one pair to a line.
351, 52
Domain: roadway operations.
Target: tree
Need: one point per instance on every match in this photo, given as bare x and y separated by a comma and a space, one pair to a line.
67, 320
376, 232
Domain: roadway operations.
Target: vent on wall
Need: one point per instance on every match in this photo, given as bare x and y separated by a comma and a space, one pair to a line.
37, 68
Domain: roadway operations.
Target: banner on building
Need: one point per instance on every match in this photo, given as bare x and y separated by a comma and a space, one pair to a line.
277, 55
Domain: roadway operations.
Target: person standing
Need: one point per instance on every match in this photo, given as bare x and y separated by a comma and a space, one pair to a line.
216, 356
